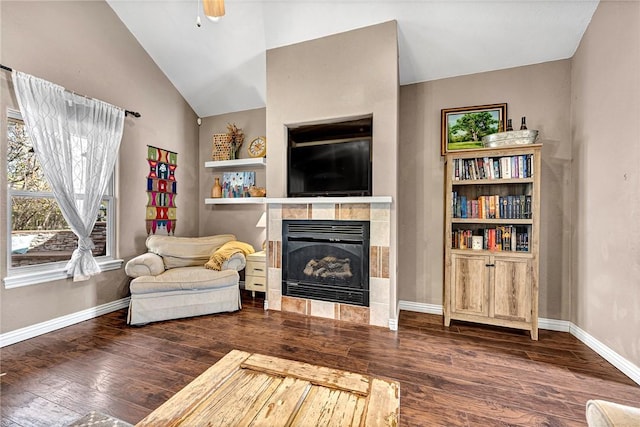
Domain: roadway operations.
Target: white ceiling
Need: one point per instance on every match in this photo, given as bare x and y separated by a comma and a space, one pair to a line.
221, 67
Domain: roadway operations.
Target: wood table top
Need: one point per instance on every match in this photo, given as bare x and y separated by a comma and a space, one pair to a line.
245, 389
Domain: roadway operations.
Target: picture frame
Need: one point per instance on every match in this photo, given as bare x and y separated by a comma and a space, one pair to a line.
237, 184
462, 128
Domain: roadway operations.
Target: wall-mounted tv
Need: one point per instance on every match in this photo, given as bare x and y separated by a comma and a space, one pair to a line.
330, 159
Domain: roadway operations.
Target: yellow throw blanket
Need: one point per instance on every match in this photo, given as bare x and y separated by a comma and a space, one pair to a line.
225, 252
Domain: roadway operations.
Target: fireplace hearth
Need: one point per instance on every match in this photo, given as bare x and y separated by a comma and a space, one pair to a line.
326, 260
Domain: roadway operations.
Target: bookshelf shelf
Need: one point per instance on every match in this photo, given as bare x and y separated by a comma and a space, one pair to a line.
493, 181
464, 252
492, 217
504, 221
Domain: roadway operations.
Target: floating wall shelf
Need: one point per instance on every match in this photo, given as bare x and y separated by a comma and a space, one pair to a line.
236, 201
254, 162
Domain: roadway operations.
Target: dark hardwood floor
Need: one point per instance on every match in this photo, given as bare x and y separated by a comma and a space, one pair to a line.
465, 375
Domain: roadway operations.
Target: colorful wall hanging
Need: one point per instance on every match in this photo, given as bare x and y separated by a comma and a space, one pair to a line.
161, 190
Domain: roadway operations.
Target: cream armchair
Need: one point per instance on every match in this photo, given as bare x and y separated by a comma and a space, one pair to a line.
601, 413
171, 282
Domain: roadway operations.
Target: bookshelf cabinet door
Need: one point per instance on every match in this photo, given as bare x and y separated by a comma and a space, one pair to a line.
470, 290
512, 289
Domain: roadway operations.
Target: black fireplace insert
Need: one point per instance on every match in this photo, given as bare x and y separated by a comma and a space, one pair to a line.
326, 260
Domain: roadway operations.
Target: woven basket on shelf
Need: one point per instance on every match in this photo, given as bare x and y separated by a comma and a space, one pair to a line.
221, 147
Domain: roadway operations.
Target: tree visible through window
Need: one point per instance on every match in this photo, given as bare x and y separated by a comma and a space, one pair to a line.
39, 232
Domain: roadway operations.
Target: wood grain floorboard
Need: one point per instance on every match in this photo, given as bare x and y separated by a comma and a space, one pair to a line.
465, 375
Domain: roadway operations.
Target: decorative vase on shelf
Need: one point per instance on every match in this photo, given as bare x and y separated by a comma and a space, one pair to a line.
216, 190
236, 138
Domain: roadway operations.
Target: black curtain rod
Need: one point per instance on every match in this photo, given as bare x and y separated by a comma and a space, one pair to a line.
126, 112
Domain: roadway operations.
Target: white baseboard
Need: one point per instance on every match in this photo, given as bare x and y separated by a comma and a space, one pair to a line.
555, 325
626, 367
61, 322
420, 307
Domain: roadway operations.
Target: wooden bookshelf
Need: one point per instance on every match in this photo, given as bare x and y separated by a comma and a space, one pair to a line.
496, 283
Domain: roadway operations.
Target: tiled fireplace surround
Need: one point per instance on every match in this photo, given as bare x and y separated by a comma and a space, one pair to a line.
379, 282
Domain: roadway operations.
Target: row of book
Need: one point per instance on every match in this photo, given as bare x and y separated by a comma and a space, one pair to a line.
507, 167
502, 238
492, 207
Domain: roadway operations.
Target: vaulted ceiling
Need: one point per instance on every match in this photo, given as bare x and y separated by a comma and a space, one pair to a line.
220, 67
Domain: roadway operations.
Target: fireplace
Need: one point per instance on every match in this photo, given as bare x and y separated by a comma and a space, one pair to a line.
326, 260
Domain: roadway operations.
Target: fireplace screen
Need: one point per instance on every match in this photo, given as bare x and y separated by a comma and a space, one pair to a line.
326, 260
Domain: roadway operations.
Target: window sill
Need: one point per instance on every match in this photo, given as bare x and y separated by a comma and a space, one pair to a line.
43, 275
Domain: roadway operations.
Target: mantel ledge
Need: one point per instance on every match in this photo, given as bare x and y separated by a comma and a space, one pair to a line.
320, 200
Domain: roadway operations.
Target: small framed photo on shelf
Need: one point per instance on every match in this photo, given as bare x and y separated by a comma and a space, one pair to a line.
237, 184
463, 128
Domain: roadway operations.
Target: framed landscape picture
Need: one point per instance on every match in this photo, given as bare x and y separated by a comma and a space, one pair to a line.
464, 127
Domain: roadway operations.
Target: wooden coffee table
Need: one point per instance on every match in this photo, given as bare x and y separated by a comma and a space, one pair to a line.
244, 389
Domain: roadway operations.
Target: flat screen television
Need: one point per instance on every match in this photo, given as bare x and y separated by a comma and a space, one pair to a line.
331, 169
339, 165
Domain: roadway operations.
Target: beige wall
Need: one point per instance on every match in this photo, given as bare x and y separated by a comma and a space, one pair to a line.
342, 75
606, 176
539, 92
237, 219
84, 47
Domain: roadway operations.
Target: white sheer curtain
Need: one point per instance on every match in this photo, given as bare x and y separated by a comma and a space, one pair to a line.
76, 140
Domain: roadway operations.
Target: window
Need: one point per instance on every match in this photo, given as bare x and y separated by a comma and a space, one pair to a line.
41, 242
